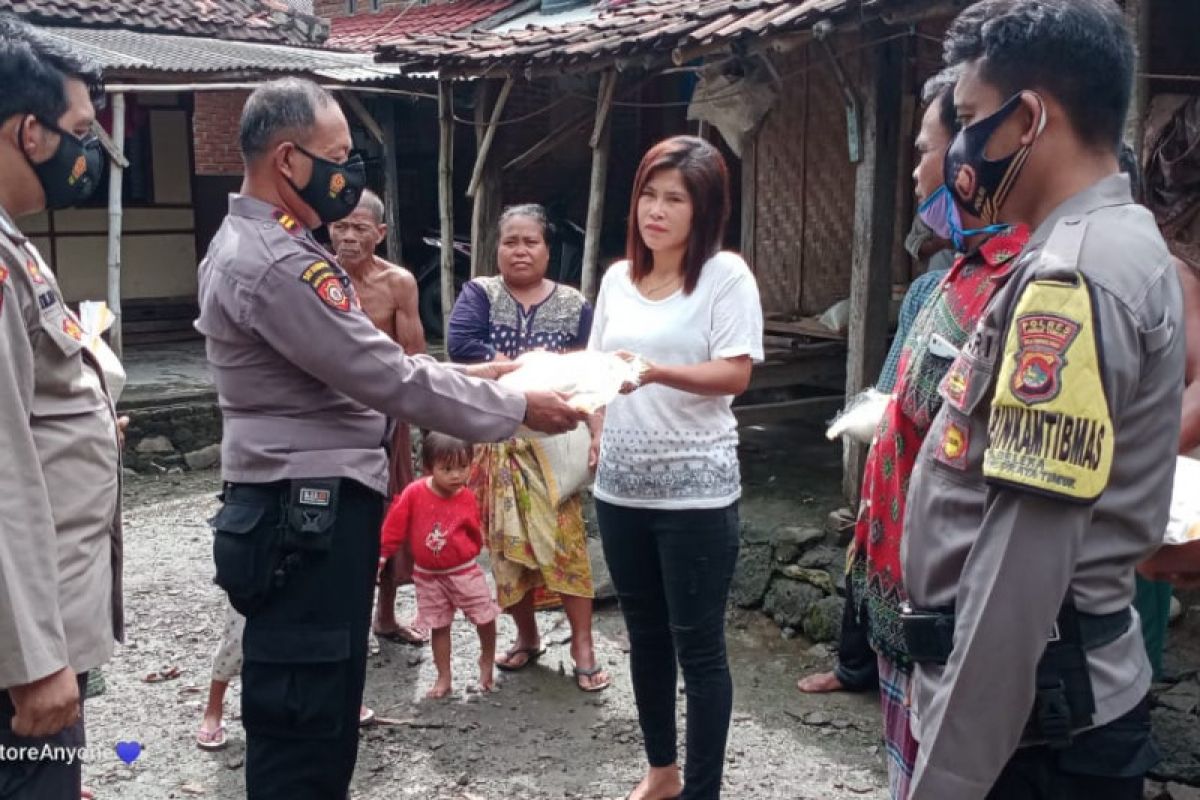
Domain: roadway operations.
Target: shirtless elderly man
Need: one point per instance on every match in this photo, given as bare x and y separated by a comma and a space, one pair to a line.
389, 297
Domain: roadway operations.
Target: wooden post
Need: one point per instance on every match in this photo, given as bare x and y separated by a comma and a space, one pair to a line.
1137, 14
601, 143
115, 175
874, 232
391, 181
486, 208
489, 135
446, 195
749, 196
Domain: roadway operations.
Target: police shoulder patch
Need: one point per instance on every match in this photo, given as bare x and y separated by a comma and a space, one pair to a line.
1050, 429
328, 285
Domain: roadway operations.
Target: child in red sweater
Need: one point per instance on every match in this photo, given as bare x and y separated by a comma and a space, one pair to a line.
439, 519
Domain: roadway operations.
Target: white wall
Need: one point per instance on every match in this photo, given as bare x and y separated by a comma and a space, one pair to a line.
158, 245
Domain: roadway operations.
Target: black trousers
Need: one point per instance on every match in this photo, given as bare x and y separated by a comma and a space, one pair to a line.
38, 779
671, 571
305, 652
857, 665
1106, 763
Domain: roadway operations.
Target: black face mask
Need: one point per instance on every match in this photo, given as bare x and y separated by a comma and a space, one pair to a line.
993, 180
69, 176
334, 189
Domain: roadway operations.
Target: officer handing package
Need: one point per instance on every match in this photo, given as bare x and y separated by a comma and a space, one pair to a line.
306, 384
1047, 475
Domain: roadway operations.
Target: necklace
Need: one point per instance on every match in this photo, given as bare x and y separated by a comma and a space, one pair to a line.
670, 283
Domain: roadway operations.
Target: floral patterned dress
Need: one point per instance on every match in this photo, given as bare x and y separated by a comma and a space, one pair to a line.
533, 542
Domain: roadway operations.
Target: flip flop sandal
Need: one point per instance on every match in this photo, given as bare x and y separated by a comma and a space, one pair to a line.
532, 654
366, 716
212, 741
590, 673
402, 636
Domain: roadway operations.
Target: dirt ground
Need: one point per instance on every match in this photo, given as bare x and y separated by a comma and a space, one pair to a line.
538, 738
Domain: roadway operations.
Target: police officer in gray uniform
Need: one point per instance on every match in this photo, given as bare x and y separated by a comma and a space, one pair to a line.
1047, 475
60, 463
306, 384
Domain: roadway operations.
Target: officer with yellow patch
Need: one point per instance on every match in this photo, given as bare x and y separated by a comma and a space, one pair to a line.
306, 384
1046, 477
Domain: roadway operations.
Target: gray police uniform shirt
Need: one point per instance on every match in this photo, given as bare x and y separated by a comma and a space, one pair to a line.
60, 514
1046, 476
305, 381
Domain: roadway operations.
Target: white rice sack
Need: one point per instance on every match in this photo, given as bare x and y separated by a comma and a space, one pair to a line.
860, 417
593, 380
1184, 524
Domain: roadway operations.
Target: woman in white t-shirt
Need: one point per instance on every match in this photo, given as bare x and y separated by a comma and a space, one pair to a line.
667, 478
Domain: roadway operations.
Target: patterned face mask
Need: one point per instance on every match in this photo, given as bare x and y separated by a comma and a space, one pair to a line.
991, 181
334, 189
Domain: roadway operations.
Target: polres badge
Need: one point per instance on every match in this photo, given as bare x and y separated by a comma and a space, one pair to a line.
336, 184
331, 291
1042, 343
78, 170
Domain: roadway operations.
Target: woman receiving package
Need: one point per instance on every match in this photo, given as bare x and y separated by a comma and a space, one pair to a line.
667, 479
533, 524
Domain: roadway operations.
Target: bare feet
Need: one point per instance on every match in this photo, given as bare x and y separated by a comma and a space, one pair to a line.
440, 688
487, 674
660, 783
820, 683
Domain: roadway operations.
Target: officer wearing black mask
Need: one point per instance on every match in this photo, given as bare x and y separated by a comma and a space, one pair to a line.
307, 384
59, 473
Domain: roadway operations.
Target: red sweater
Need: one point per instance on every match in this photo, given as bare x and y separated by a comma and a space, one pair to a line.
443, 532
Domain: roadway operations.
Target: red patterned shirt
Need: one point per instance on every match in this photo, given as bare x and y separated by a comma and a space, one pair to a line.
443, 532
940, 329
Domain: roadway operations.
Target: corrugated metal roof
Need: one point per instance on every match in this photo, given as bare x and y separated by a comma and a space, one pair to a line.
242, 20
653, 28
153, 52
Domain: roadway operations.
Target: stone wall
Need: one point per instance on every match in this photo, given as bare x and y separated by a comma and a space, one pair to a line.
795, 575
174, 437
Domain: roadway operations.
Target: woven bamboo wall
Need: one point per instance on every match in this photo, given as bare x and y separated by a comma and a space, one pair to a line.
805, 188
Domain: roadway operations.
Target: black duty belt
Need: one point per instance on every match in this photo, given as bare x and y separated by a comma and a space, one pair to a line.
929, 635
1064, 702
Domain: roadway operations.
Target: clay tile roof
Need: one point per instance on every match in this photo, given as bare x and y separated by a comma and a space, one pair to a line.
628, 29
366, 31
238, 20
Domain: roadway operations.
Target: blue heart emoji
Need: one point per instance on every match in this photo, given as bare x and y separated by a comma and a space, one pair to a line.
128, 751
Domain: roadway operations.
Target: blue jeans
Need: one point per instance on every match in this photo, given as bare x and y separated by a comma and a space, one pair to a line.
672, 570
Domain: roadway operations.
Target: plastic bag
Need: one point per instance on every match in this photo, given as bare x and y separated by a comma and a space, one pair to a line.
1183, 526
95, 318
593, 380
860, 417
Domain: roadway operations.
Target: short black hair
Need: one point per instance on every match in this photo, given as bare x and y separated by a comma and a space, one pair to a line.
940, 89
439, 448
283, 106
1078, 51
34, 68
1128, 161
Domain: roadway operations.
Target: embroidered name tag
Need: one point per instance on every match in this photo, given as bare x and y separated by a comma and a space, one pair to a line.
1050, 428
314, 497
